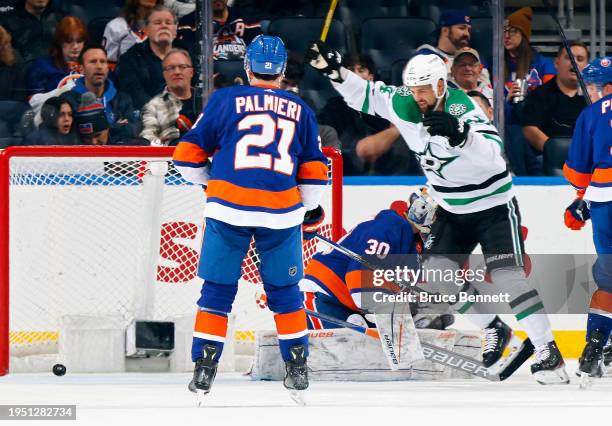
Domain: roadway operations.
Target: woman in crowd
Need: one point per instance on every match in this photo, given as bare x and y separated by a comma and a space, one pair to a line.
522, 62
128, 29
47, 74
57, 127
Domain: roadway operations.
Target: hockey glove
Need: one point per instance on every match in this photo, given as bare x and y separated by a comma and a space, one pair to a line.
577, 214
443, 124
324, 60
313, 219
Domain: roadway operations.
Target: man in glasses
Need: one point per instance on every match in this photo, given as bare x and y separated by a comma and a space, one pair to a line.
171, 114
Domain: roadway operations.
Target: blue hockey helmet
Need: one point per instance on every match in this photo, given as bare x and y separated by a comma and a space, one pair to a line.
266, 55
598, 71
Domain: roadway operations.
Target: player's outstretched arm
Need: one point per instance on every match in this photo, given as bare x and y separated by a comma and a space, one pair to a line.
362, 95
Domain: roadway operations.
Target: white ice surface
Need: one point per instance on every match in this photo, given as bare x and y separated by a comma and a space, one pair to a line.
163, 399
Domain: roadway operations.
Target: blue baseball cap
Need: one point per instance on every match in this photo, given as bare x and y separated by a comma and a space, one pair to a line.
454, 17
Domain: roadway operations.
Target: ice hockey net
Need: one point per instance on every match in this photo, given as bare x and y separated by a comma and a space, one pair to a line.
90, 230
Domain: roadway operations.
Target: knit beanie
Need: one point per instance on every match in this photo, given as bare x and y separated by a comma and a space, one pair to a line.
521, 19
90, 115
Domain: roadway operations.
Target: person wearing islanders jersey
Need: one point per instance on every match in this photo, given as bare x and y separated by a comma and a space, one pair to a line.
334, 283
589, 169
460, 152
267, 171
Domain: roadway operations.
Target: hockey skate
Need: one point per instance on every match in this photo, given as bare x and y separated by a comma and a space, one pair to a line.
607, 353
204, 373
296, 378
549, 367
497, 337
591, 360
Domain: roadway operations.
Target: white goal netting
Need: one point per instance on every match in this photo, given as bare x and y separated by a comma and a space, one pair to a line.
92, 231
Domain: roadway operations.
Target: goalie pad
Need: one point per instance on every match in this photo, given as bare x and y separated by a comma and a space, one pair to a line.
341, 354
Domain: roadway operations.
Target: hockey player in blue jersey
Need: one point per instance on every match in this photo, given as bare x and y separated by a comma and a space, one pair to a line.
589, 169
335, 284
267, 173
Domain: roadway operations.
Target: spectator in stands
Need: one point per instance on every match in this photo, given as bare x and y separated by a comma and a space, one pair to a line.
57, 125
232, 33
466, 71
12, 85
521, 61
366, 140
482, 101
551, 110
91, 121
117, 106
140, 69
181, 7
455, 28
46, 74
32, 24
127, 29
171, 114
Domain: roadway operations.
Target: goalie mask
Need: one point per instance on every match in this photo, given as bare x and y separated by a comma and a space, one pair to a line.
425, 70
420, 210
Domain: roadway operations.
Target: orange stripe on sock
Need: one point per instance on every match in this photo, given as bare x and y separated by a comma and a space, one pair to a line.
602, 300
291, 323
209, 323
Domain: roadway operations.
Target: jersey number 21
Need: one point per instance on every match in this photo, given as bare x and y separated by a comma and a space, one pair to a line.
267, 136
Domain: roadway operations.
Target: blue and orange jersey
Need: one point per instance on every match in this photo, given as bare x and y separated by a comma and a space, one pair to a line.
267, 165
338, 276
589, 163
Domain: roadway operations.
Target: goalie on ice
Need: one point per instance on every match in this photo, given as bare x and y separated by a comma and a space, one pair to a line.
336, 285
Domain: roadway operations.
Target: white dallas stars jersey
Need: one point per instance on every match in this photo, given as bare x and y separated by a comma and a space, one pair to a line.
464, 179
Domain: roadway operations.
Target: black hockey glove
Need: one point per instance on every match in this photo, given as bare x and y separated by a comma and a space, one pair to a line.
324, 60
444, 124
313, 219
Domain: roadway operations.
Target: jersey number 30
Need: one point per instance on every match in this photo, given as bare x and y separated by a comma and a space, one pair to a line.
269, 126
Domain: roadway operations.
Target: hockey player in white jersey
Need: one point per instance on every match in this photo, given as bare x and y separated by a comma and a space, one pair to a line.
460, 153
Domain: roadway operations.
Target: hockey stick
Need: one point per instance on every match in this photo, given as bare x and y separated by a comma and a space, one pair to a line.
328, 20
397, 332
568, 49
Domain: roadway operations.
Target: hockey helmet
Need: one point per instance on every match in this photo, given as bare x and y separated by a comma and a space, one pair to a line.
266, 55
426, 69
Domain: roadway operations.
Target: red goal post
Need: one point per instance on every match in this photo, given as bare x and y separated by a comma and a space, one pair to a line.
98, 230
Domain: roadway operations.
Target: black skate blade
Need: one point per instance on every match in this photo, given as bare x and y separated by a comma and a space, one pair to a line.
520, 356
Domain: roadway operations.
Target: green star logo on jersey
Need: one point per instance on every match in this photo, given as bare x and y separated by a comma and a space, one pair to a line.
432, 163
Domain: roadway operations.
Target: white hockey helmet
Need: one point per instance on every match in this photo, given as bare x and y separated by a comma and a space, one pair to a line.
426, 69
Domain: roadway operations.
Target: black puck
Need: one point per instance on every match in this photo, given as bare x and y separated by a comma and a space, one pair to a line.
59, 369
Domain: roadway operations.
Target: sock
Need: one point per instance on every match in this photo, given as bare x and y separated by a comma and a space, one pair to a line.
211, 320
600, 313
210, 329
292, 331
290, 318
525, 303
